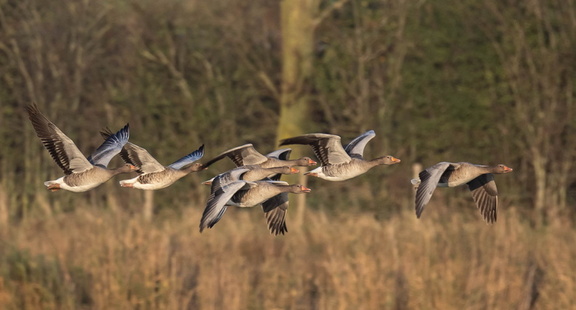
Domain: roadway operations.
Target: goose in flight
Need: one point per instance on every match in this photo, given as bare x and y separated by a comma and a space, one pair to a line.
154, 175
247, 155
479, 178
81, 173
340, 163
228, 189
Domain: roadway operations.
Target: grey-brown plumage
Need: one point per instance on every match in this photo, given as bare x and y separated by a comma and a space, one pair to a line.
228, 189
81, 173
340, 163
275, 210
257, 173
154, 175
246, 154
479, 178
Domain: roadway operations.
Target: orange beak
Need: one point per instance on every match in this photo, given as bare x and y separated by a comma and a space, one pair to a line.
508, 169
312, 174
294, 170
305, 189
311, 162
395, 160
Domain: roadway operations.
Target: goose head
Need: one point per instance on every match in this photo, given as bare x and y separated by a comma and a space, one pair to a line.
387, 160
299, 189
305, 161
288, 170
499, 169
127, 168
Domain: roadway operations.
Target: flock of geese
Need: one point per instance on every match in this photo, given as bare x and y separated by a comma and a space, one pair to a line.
256, 179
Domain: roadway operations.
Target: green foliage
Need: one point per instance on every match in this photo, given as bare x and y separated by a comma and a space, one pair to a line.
437, 81
445, 85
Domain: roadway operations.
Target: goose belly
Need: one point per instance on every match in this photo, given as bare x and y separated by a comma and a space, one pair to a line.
453, 178
245, 203
339, 172
151, 186
151, 181
250, 198
338, 178
76, 188
453, 183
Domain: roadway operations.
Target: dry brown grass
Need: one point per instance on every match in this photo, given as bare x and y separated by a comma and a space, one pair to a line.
94, 259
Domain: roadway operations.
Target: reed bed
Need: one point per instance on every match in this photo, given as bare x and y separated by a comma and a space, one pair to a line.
99, 259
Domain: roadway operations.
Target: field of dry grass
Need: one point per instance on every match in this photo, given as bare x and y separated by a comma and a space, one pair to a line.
97, 259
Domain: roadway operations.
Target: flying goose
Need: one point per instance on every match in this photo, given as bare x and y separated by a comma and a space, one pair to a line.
479, 178
81, 173
154, 175
247, 155
228, 189
340, 163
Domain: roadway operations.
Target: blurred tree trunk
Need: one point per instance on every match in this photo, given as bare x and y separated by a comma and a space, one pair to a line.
148, 209
4, 213
299, 19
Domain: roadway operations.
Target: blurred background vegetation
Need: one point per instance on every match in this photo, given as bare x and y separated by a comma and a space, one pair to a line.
488, 81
